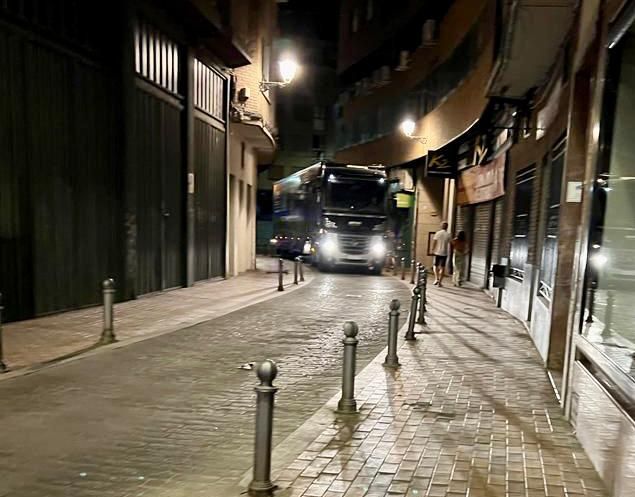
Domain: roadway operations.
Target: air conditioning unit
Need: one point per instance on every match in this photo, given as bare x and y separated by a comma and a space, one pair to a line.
404, 61
429, 36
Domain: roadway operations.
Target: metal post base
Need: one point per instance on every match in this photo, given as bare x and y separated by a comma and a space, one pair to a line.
347, 406
107, 337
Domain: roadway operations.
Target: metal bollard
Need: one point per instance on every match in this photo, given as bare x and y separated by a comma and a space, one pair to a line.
301, 263
347, 404
280, 276
422, 298
608, 315
395, 266
108, 333
295, 271
424, 286
3, 366
392, 361
412, 271
410, 334
265, 392
403, 268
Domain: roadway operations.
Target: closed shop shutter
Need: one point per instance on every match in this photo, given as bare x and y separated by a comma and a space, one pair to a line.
480, 242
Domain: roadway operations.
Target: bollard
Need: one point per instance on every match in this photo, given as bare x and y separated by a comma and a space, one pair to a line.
412, 272
3, 366
410, 334
301, 263
280, 271
347, 404
403, 268
392, 361
395, 266
424, 286
591, 304
422, 298
265, 392
108, 333
608, 316
295, 271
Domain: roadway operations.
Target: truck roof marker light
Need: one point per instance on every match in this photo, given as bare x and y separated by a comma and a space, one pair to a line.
382, 181
331, 178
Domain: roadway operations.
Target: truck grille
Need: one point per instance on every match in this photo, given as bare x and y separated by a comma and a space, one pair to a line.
353, 245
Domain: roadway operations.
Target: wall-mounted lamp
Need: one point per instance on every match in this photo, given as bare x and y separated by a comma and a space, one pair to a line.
288, 68
407, 127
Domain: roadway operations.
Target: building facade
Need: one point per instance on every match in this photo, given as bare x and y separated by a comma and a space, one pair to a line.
527, 149
115, 150
253, 134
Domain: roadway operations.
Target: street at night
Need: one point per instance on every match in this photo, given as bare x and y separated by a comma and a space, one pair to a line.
287, 248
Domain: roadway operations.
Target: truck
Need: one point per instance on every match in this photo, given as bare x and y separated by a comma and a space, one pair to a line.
334, 214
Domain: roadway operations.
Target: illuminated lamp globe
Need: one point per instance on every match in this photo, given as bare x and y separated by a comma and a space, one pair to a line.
407, 127
288, 69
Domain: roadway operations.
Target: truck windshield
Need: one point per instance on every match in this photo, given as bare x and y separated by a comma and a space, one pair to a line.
366, 196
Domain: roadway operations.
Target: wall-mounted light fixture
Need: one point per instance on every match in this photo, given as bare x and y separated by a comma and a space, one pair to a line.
408, 127
288, 69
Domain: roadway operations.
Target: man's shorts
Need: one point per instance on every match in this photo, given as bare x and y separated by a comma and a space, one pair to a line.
440, 260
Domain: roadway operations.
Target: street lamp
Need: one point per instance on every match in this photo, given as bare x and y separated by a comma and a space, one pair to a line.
408, 127
288, 69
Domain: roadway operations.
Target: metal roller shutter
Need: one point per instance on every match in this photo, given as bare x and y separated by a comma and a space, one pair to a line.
480, 243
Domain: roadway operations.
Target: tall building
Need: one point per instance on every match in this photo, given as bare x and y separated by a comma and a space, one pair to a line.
115, 156
518, 134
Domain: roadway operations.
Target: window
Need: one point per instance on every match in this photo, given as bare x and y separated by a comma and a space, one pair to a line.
319, 118
156, 57
266, 59
355, 20
552, 188
370, 7
521, 221
609, 310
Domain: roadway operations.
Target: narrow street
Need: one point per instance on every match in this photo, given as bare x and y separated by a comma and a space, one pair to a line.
173, 415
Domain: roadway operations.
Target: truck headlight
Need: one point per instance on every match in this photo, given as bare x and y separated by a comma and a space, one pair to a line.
329, 245
378, 248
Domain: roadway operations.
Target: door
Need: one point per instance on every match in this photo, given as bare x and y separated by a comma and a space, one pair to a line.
159, 194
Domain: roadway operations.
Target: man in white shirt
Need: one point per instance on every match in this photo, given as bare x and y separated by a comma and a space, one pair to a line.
441, 250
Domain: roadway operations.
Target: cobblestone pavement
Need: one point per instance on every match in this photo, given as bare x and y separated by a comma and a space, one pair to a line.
36, 341
470, 413
173, 415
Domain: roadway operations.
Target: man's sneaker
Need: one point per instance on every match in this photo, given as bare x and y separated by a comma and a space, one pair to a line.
435, 282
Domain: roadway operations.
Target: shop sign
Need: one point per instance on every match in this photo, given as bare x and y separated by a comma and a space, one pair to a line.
404, 200
442, 163
482, 183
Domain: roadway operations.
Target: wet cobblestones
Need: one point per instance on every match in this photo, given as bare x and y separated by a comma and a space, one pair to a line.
173, 415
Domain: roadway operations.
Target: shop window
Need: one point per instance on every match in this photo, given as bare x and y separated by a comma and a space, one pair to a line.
522, 221
609, 310
551, 208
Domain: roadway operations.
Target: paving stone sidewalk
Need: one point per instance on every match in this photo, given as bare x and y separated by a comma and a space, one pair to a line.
31, 343
470, 413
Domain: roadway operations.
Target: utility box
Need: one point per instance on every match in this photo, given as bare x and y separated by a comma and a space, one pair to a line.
499, 273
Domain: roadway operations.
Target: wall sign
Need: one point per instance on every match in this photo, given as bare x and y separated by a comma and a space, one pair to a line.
482, 183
